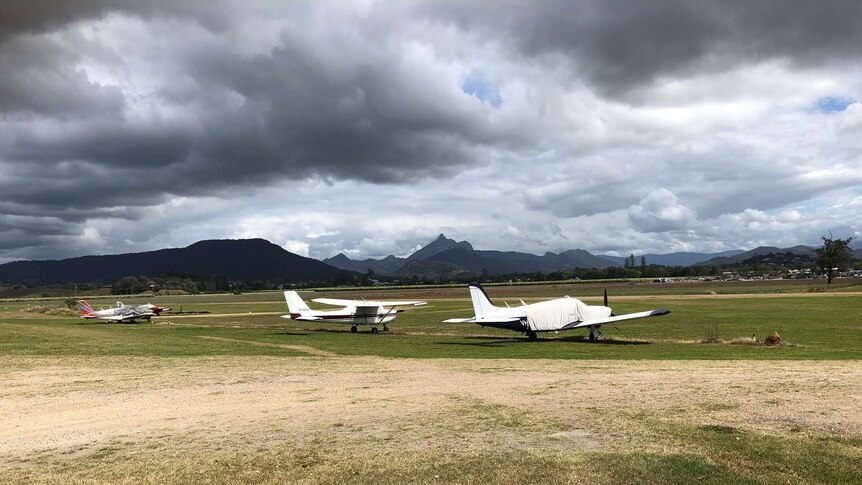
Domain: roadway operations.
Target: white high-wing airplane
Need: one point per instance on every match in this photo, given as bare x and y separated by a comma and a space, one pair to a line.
547, 316
119, 313
355, 312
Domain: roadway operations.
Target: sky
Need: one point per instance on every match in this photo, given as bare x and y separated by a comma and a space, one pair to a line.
369, 127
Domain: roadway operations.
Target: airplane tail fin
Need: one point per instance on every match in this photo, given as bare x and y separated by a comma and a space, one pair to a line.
481, 303
86, 310
295, 303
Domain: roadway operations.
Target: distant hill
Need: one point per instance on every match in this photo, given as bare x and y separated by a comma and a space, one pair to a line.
242, 259
675, 259
808, 251
785, 259
856, 246
386, 266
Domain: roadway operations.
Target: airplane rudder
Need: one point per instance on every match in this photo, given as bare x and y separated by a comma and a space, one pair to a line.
294, 302
481, 303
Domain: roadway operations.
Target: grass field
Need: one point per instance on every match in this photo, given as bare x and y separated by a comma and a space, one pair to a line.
241, 395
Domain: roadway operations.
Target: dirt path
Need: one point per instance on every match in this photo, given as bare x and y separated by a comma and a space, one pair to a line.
299, 348
64, 407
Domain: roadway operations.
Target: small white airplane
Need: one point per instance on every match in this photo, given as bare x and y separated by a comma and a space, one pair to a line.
547, 316
146, 307
119, 313
354, 312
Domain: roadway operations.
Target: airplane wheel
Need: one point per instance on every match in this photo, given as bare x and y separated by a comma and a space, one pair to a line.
385, 328
592, 337
353, 329
373, 329
532, 335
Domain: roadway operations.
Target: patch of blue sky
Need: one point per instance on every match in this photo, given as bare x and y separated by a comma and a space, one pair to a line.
809, 206
477, 86
831, 104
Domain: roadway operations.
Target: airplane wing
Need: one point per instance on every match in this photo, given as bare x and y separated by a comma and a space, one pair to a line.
362, 303
128, 316
488, 320
399, 303
616, 318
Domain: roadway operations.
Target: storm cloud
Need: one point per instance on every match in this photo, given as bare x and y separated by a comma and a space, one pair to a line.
136, 125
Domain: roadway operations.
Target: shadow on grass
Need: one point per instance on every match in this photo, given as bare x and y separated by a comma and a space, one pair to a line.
497, 342
343, 331
601, 341
108, 322
288, 332
488, 341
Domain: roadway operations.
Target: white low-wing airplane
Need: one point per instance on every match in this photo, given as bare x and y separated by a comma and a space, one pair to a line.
354, 312
146, 307
119, 313
547, 316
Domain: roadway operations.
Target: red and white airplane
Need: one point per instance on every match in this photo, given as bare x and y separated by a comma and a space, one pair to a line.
548, 316
121, 312
354, 312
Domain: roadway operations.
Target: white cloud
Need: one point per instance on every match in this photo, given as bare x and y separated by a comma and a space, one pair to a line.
296, 247
659, 211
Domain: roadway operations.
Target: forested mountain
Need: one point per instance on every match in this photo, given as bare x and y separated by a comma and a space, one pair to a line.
242, 259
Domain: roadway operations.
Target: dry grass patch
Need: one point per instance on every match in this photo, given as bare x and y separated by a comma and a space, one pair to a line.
363, 419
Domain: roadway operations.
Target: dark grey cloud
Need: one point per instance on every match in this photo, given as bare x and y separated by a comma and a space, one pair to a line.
620, 45
247, 119
36, 16
40, 78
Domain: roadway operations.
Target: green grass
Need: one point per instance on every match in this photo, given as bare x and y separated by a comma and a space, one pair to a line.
817, 327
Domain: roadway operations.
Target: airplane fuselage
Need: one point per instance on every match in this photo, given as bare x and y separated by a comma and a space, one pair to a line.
547, 316
348, 316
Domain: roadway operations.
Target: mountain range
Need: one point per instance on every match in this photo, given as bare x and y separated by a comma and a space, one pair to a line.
258, 259
675, 259
444, 257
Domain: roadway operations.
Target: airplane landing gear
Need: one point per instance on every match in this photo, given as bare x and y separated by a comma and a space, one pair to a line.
531, 335
353, 329
595, 333
385, 328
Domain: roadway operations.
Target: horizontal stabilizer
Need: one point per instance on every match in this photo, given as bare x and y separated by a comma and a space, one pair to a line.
480, 321
460, 320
